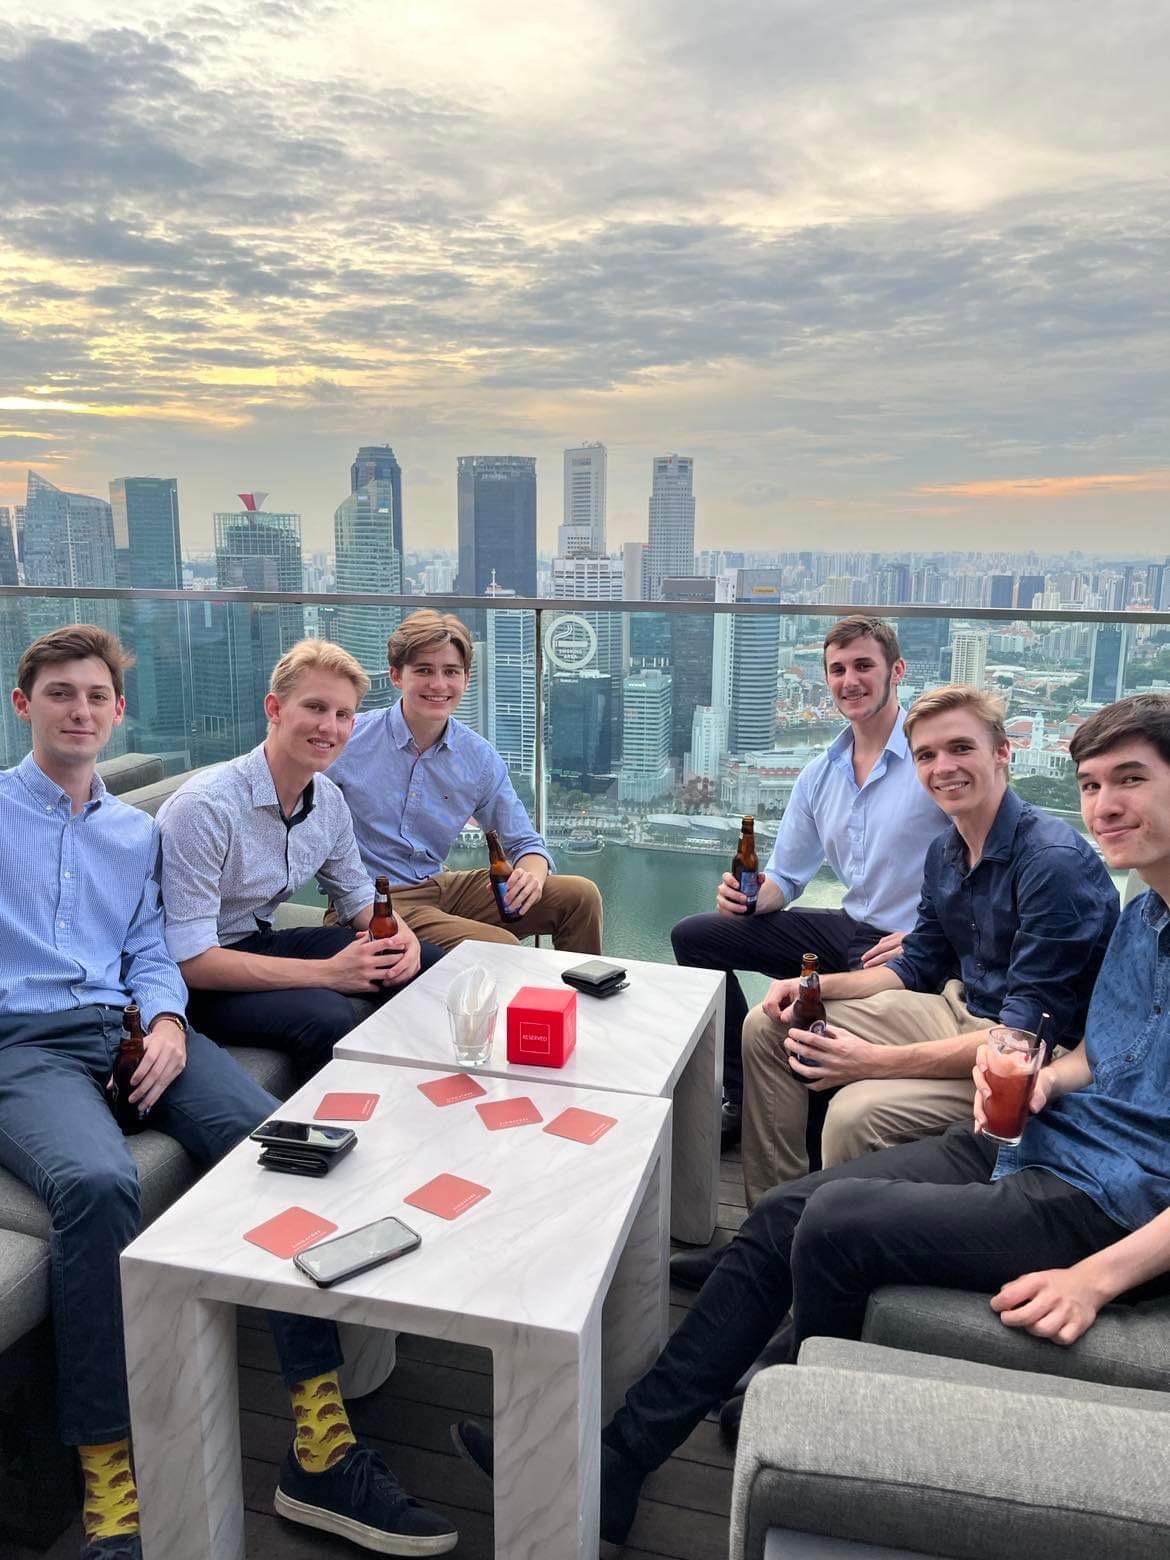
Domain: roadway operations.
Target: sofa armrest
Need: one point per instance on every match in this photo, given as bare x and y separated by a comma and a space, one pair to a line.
948, 1468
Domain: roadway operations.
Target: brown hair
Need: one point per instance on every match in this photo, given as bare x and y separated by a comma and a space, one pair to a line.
959, 696
428, 630
1143, 717
74, 642
316, 655
858, 626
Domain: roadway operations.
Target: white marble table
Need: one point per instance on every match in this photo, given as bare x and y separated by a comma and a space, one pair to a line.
561, 1272
663, 1036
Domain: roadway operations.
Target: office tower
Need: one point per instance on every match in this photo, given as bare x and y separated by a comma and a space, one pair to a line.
634, 556
14, 732
149, 556
708, 743
1108, 655
497, 523
367, 559
723, 642
473, 706
578, 745
692, 647
8, 570
511, 691
926, 586
893, 585
969, 657
1003, 590
921, 640
378, 463
438, 578
755, 658
257, 549
671, 547
647, 772
597, 579
234, 646
1028, 587
583, 529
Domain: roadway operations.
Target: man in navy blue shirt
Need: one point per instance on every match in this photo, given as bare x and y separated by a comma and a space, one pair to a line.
1053, 1230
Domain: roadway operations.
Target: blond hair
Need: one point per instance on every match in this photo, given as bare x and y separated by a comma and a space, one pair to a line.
986, 707
316, 655
428, 630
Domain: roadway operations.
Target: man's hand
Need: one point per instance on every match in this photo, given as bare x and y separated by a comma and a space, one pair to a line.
728, 899
164, 1055
781, 996
409, 956
1042, 1089
885, 949
524, 890
827, 1061
1060, 1304
365, 966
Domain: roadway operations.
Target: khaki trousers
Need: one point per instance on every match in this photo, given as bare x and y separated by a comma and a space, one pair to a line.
872, 1113
455, 907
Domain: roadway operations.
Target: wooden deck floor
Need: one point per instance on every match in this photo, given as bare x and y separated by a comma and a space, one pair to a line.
684, 1512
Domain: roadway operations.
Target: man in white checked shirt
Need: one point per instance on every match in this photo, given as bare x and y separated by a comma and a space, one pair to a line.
81, 937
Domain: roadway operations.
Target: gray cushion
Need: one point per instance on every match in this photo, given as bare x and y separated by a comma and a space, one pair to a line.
271, 1070
151, 797
1128, 1345
24, 1285
949, 1468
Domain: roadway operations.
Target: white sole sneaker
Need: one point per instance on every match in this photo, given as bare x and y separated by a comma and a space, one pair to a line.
377, 1539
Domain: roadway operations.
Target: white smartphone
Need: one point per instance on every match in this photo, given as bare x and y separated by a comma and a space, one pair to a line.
341, 1256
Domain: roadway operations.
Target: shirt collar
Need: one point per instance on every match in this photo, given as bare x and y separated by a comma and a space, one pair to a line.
1154, 911
1001, 837
841, 747
47, 791
263, 786
400, 733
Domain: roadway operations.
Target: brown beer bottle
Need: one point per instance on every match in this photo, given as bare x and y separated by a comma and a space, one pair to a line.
499, 871
383, 922
745, 866
808, 1011
131, 1118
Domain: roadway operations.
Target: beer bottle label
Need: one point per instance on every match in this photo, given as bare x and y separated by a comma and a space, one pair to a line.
749, 884
506, 911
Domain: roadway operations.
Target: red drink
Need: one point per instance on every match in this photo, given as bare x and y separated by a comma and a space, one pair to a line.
1013, 1060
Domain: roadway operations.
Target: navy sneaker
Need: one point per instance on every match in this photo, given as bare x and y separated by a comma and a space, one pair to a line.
360, 1499
121, 1547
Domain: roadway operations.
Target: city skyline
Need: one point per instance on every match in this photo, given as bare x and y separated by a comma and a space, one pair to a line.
894, 271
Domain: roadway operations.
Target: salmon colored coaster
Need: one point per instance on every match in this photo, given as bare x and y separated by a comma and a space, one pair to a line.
346, 1107
498, 1114
448, 1196
449, 1091
290, 1232
583, 1126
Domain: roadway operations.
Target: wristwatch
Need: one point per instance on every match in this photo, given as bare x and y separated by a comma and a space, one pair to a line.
175, 1018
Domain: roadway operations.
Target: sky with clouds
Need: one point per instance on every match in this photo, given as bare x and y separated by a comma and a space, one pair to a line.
894, 272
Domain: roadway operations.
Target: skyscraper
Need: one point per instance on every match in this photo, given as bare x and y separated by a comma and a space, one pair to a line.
692, 643
1107, 660
378, 463
497, 523
969, 656
149, 556
755, 663
583, 530
258, 550
366, 559
1003, 590
671, 547
708, 742
647, 772
234, 646
8, 572
1028, 587
511, 691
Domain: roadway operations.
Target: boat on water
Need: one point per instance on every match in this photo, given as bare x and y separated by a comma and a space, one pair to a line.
583, 845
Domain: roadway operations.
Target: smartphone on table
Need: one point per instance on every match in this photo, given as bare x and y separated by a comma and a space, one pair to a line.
341, 1256
305, 1135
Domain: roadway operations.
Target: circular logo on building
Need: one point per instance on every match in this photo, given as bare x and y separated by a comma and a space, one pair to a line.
570, 642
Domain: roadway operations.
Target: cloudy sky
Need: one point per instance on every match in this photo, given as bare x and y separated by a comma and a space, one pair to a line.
894, 272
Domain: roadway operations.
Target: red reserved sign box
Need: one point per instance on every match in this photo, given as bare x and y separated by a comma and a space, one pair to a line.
542, 1026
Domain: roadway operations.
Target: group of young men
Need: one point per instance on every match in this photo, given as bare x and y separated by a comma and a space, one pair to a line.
965, 907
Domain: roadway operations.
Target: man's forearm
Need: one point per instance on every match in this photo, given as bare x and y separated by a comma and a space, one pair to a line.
223, 969
859, 983
953, 1057
1134, 1260
535, 864
770, 897
1069, 1073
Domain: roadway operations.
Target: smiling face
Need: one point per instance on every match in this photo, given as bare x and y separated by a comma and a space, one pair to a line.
960, 764
860, 679
1125, 802
72, 709
310, 725
432, 685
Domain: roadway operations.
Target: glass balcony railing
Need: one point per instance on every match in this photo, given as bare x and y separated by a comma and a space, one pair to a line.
638, 735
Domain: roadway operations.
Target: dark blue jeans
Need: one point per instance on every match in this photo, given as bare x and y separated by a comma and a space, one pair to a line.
920, 1213
58, 1135
768, 945
303, 1022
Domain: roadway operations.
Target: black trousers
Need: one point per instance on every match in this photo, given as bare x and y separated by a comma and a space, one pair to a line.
768, 945
303, 1022
919, 1213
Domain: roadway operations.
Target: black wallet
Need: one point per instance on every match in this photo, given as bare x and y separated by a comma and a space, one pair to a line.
596, 978
300, 1161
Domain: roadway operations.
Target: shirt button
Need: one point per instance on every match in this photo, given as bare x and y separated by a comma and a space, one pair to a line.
61, 924
68, 874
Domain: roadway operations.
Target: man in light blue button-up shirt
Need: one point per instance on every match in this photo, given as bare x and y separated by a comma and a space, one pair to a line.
859, 807
414, 776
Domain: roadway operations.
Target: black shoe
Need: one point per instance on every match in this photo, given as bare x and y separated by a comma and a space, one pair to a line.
360, 1499
127, 1547
731, 1125
474, 1445
621, 1484
729, 1417
692, 1269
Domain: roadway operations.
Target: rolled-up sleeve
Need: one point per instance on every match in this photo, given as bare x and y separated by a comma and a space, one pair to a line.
927, 959
341, 876
195, 839
501, 809
799, 850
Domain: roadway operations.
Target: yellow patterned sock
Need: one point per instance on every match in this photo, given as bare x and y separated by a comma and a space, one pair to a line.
111, 1495
324, 1434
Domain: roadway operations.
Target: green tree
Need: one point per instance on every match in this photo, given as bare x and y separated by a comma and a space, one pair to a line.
1059, 792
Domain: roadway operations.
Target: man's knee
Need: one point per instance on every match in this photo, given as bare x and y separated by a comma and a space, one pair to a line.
689, 939
835, 1214
96, 1197
484, 931
866, 1116
763, 1039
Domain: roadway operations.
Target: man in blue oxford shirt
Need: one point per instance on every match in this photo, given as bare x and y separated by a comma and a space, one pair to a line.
413, 776
1073, 1218
81, 937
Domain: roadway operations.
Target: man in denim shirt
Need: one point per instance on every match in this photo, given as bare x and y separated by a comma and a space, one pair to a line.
1076, 1216
1015, 915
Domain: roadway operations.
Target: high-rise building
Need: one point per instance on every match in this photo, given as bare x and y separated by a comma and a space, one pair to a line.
1028, 587
1108, 655
8, 570
234, 646
583, 529
579, 749
378, 463
634, 556
598, 579
708, 743
969, 657
671, 547
511, 690
692, 646
647, 772
259, 549
755, 662
367, 559
149, 556
497, 523
1003, 590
